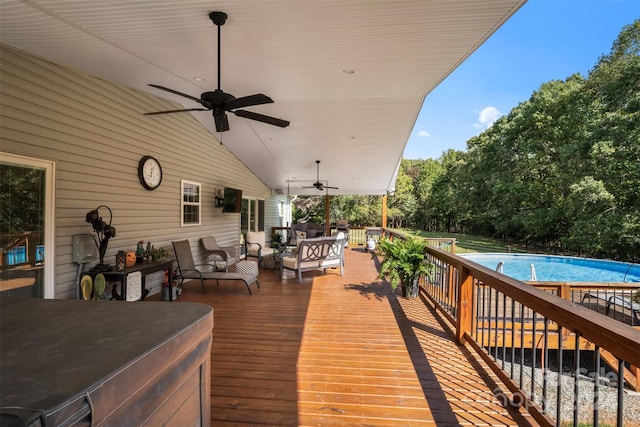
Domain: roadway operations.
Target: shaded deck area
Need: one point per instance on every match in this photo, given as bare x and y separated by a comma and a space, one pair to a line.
340, 351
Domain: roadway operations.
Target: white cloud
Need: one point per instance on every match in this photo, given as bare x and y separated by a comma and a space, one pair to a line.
487, 116
424, 134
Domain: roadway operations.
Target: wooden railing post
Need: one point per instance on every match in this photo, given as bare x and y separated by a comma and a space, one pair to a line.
564, 291
464, 317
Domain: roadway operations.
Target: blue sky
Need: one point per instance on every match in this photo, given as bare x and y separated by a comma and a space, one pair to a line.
545, 40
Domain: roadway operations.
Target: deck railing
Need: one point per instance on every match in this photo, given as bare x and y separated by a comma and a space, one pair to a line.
545, 342
358, 237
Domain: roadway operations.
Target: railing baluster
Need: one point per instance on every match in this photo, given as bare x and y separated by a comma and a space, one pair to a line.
489, 307
596, 386
478, 287
484, 316
559, 386
495, 332
513, 336
576, 380
504, 330
534, 350
620, 412
521, 346
545, 361
454, 308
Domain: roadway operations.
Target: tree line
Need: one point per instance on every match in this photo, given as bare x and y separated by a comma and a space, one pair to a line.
561, 170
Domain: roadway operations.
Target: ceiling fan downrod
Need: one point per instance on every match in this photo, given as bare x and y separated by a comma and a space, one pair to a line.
218, 18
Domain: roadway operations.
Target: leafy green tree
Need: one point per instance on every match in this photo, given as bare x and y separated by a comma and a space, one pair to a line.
358, 210
614, 86
402, 205
21, 199
562, 169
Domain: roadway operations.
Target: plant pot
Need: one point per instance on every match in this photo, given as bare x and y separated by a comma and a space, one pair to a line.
410, 290
165, 293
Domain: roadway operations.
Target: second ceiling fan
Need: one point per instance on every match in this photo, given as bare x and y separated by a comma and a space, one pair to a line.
319, 185
220, 102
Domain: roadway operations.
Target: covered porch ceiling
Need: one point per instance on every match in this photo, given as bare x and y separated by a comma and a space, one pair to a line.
350, 76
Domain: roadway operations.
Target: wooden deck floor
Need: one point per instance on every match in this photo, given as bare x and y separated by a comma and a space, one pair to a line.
340, 351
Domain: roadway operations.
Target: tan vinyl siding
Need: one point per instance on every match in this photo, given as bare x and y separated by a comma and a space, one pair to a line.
96, 133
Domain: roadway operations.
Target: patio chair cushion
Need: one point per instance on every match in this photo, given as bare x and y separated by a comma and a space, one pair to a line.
256, 245
300, 235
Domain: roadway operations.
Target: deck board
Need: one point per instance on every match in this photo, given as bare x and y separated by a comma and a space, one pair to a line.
340, 350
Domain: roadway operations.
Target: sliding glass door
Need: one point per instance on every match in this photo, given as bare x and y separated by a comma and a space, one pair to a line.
26, 227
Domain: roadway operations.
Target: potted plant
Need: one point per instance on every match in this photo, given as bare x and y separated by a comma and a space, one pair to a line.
158, 254
403, 263
276, 240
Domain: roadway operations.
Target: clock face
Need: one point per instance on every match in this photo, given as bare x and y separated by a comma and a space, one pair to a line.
150, 173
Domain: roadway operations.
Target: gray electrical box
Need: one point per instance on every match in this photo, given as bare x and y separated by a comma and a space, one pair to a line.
84, 248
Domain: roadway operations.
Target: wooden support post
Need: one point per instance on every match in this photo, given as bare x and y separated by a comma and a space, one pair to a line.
464, 319
384, 211
327, 218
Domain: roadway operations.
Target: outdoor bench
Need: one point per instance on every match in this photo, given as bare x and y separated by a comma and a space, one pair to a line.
314, 254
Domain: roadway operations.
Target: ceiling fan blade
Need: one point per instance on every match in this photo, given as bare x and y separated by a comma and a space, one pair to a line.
175, 111
175, 92
222, 123
247, 101
261, 118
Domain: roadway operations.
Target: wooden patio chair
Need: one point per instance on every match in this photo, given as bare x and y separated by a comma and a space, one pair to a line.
187, 269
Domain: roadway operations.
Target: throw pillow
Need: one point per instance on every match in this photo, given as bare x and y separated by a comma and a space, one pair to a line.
311, 233
300, 235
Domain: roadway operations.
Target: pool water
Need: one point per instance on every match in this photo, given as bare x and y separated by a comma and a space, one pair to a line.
549, 268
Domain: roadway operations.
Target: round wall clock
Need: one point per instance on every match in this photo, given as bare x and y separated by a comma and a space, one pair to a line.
149, 172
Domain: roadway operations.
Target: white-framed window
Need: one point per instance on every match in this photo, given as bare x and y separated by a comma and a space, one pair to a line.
253, 212
190, 202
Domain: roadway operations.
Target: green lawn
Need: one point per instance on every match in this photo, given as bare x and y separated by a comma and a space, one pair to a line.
466, 243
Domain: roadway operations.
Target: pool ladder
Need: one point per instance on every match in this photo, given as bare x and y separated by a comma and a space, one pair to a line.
500, 269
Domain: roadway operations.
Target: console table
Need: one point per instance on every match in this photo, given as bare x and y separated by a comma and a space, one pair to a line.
145, 268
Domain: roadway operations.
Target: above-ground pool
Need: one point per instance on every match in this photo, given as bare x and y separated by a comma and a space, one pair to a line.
549, 268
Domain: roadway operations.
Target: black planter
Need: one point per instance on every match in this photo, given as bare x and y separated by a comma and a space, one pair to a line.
410, 290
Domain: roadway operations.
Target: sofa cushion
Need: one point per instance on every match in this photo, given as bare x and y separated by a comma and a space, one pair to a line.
300, 235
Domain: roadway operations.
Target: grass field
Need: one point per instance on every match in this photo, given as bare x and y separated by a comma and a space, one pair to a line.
466, 243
